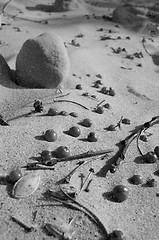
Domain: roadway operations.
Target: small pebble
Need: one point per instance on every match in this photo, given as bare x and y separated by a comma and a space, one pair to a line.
151, 183
107, 105
99, 75
150, 157
86, 122
86, 94
96, 85
99, 82
156, 150
88, 75
111, 92
111, 127
64, 113
99, 110
136, 179
93, 96
104, 90
92, 137
53, 112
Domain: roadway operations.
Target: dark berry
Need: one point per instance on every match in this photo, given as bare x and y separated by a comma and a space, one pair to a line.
62, 152
111, 127
86, 122
96, 85
156, 150
53, 112
136, 179
143, 138
74, 131
107, 105
73, 114
46, 155
99, 82
104, 90
150, 157
100, 110
126, 121
92, 137
86, 94
50, 135
116, 235
14, 175
121, 193
64, 113
79, 86
111, 92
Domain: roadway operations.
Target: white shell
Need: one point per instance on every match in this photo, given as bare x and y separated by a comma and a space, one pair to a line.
26, 185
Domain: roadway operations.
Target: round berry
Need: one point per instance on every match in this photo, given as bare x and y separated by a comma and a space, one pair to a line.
99, 82
111, 92
96, 85
156, 150
107, 105
143, 138
50, 135
92, 137
14, 175
62, 152
136, 179
64, 113
73, 114
150, 157
111, 127
79, 86
116, 235
121, 193
100, 110
126, 121
74, 131
53, 112
46, 155
104, 90
86, 122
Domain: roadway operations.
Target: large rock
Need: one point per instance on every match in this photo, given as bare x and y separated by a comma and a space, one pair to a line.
42, 62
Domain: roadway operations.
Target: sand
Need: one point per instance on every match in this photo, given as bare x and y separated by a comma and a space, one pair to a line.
136, 98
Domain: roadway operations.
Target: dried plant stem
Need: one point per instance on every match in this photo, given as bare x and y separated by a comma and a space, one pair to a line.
5, 5
72, 102
88, 212
80, 156
100, 103
143, 43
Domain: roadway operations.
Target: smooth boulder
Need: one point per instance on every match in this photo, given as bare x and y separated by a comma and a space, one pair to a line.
42, 62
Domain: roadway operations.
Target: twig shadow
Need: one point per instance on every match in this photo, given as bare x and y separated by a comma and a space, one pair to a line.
83, 139
40, 137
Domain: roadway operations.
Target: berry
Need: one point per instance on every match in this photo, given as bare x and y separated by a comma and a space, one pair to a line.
92, 137
111, 92
104, 90
46, 155
53, 112
126, 121
143, 138
96, 85
116, 235
99, 82
50, 135
62, 152
100, 110
79, 86
156, 150
73, 114
111, 127
63, 113
150, 157
107, 105
136, 179
86, 94
74, 131
86, 122
14, 175
120, 193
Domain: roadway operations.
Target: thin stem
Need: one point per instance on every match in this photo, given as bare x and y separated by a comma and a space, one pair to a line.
100, 103
5, 5
88, 212
143, 43
72, 102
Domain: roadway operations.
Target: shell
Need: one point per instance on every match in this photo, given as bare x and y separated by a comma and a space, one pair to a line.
26, 185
